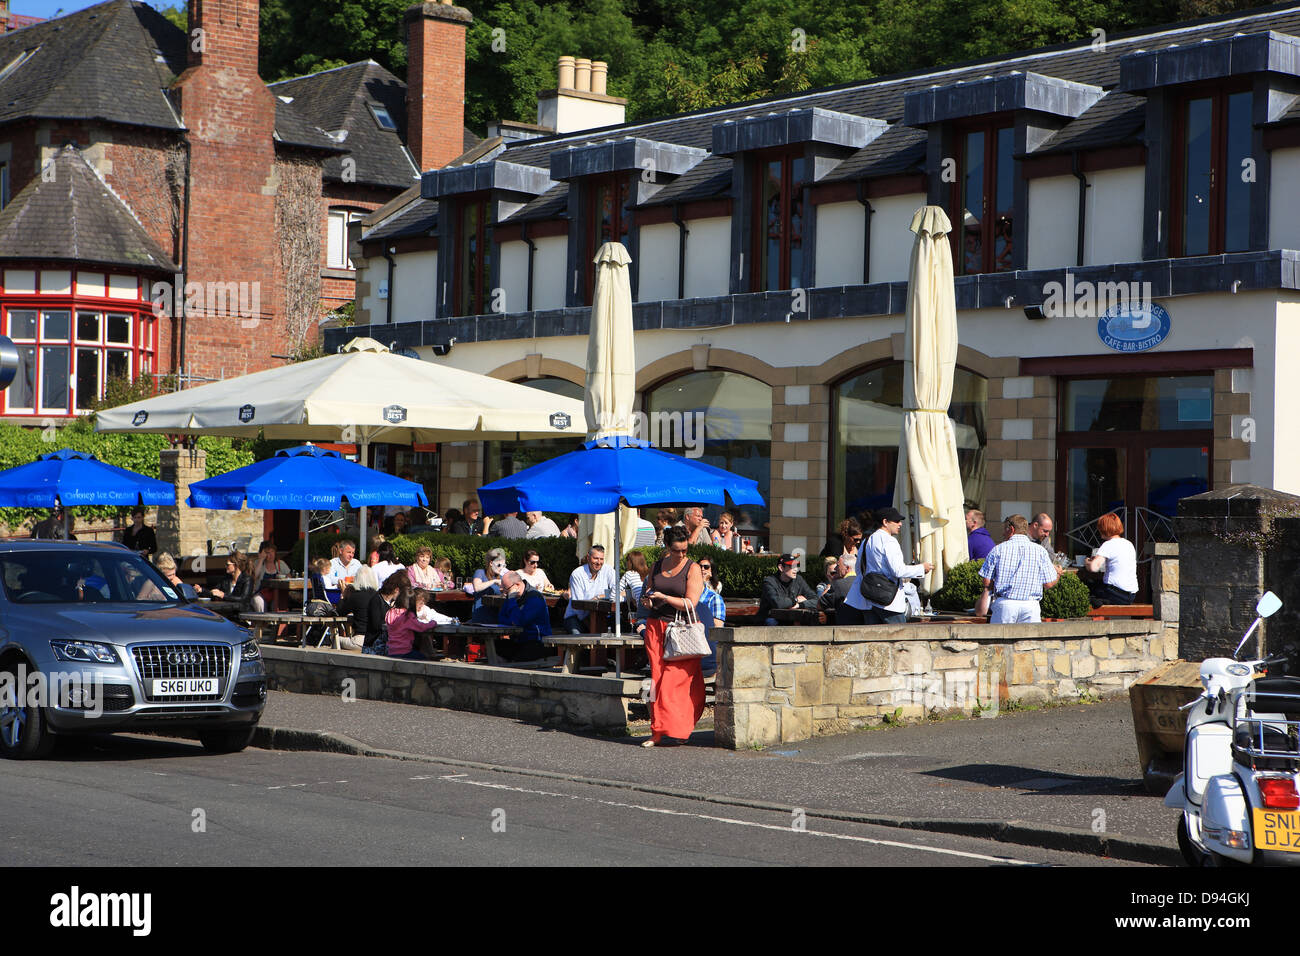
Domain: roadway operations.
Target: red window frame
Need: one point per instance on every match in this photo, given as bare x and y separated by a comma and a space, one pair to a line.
789, 233
142, 348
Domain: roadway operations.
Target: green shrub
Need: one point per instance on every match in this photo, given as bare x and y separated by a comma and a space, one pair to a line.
1068, 598
962, 586
136, 452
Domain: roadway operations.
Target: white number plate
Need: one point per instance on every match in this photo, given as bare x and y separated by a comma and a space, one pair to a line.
184, 686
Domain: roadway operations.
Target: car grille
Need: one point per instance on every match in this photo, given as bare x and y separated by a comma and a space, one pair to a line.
117, 697
153, 662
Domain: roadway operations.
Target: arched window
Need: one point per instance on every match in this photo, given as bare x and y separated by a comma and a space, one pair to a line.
867, 425
723, 419
502, 458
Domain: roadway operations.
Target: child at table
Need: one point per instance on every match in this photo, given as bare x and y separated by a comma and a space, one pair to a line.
422, 605
404, 627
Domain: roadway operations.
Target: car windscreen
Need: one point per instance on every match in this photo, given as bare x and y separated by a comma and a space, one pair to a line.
80, 577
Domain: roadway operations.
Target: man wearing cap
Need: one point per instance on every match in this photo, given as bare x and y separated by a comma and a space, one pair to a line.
880, 554
1015, 573
785, 589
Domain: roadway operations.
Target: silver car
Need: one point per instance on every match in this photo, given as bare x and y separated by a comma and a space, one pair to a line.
93, 640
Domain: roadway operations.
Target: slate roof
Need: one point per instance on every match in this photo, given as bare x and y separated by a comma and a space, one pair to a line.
109, 62
419, 218
73, 216
339, 99
1116, 119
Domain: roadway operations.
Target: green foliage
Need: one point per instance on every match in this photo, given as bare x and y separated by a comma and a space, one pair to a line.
961, 588
1067, 598
176, 15
134, 451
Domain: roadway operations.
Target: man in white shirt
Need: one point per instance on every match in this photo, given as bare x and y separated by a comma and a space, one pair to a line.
590, 580
345, 565
880, 554
540, 526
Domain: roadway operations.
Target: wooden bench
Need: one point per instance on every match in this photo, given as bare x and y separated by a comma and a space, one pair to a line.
571, 644
1145, 612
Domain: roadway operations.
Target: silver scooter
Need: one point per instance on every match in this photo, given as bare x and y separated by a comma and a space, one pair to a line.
1238, 790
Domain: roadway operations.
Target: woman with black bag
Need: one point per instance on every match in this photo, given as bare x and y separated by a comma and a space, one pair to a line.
673, 588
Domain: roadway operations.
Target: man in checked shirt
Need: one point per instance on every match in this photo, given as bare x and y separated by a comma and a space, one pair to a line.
1016, 571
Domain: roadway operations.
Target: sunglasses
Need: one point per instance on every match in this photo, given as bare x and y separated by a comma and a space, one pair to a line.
531, 561
707, 567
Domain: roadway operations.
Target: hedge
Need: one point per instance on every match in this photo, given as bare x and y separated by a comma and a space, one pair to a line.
136, 452
741, 574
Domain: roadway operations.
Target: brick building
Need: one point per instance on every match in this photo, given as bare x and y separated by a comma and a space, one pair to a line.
225, 193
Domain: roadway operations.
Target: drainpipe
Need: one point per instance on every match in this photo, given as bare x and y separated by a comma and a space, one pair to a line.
681, 249
185, 258
1083, 203
388, 254
867, 212
532, 251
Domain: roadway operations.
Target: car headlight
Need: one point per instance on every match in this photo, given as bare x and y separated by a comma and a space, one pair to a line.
86, 652
250, 651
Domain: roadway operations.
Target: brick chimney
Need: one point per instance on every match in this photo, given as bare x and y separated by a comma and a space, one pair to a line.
435, 82
223, 33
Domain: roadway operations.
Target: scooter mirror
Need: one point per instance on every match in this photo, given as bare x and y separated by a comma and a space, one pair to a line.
1268, 605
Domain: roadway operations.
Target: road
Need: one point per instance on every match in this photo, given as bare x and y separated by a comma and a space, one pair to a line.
127, 801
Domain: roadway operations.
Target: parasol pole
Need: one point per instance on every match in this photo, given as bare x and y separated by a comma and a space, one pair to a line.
618, 565
361, 532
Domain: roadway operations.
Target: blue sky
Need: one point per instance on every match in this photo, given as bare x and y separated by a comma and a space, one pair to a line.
47, 8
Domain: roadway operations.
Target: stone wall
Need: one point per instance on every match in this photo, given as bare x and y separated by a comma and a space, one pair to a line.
1235, 543
588, 703
778, 684
1165, 582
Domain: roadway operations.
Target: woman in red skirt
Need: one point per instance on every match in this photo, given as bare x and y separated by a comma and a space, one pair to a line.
675, 583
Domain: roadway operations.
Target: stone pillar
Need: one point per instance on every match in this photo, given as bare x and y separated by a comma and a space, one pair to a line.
1234, 544
182, 530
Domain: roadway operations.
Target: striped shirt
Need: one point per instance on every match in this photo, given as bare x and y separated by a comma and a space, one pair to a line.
1018, 569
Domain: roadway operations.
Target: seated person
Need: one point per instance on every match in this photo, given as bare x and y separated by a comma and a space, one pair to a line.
978, 540
590, 580
839, 583
487, 580
785, 589
1112, 577
404, 626
422, 573
422, 604
166, 566
532, 572
344, 565
523, 607
237, 585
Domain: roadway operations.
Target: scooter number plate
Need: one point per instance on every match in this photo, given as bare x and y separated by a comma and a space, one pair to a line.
1277, 830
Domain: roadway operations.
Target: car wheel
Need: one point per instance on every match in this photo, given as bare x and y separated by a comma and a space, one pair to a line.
24, 733
227, 741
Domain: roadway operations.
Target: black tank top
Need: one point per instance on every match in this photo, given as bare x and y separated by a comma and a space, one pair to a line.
671, 585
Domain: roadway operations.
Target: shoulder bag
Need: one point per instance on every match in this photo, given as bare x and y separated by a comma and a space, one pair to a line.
684, 637
878, 588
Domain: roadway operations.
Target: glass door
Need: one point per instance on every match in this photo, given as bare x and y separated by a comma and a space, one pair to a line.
1096, 482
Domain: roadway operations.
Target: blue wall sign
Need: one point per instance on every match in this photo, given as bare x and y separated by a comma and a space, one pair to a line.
1133, 328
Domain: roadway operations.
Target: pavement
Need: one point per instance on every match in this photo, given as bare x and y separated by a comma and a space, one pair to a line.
1061, 778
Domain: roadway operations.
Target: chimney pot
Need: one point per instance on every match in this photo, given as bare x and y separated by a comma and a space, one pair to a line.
582, 75
599, 74
566, 73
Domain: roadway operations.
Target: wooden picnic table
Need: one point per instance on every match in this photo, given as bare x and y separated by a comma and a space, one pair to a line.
571, 644
488, 633
261, 621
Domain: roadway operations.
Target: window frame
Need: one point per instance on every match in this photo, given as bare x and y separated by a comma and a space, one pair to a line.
1218, 95
990, 127
472, 301
142, 333
622, 220
759, 162
348, 216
